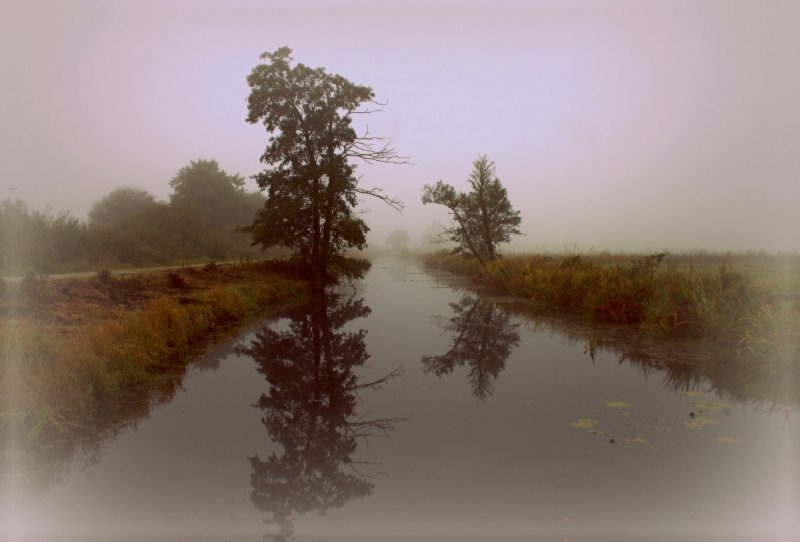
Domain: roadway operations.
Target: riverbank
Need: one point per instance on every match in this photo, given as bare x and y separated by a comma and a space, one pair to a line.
71, 346
720, 304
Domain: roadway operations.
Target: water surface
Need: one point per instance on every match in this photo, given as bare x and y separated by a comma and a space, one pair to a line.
408, 408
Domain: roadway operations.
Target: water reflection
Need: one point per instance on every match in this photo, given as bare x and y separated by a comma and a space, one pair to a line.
33, 462
734, 379
482, 338
311, 411
484, 333
772, 385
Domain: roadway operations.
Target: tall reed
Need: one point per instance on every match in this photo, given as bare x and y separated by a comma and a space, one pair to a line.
680, 302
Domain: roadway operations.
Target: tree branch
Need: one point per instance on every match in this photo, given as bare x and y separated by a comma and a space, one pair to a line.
394, 203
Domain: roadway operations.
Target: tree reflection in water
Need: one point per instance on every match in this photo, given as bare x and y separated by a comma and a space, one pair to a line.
483, 336
310, 410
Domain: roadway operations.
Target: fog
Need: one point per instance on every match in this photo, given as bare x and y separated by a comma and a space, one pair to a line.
631, 126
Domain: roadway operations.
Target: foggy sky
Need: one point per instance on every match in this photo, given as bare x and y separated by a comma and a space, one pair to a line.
613, 125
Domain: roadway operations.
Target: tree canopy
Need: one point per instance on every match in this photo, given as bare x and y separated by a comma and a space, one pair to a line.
221, 199
482, 218
398, 240
119, 204
312, 187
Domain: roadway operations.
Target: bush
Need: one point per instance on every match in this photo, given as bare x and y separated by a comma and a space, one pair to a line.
119, 204
34, 288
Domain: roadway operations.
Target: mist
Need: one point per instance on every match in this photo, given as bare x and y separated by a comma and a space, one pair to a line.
630, 127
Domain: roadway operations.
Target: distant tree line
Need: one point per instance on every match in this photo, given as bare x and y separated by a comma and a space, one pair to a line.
130, 226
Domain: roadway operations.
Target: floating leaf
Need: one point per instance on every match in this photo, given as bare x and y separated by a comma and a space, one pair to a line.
692, 393
705, 421
635, 441
711, 406
614, 403
622, 414
727, 439
584, 424
596, 432
692, 425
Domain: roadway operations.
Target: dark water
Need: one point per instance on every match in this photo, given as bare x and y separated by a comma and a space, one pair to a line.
472, 440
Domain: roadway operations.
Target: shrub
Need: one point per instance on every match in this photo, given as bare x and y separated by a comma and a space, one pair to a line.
33, 287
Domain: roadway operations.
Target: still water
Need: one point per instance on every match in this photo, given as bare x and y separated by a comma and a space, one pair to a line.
409, 408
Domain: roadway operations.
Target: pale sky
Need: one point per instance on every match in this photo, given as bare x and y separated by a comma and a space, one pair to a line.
621, 125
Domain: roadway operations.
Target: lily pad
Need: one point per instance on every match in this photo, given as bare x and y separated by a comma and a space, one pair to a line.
692, 393
584, 424
614, 403
705, 421
711, 406
700, 422
635, 441
727, 440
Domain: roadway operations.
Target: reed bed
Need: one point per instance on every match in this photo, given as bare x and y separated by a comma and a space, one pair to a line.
711, 304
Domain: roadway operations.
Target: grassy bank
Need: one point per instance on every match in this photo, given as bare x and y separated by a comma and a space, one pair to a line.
73, 346
760, 317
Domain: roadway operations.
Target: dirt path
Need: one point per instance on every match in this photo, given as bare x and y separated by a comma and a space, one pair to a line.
87, 274
73, 299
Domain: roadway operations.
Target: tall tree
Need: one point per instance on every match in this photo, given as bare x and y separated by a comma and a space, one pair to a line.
311, 186
482, 218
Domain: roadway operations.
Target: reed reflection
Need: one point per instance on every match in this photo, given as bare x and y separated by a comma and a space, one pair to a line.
771, 386
735, 375
311, 411
483, 336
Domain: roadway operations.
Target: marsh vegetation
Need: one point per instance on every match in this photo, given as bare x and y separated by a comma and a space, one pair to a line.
676, 301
